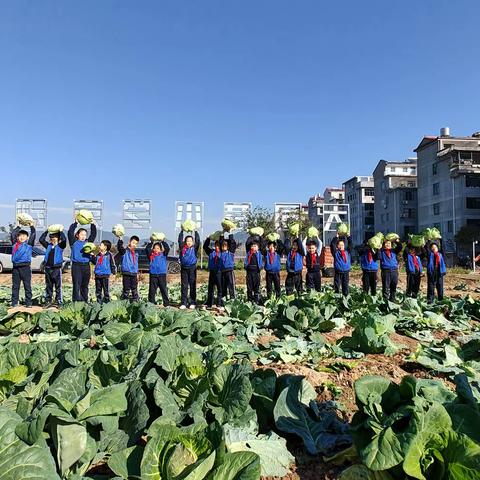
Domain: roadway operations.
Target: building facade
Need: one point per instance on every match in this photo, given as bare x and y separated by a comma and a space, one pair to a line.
315, 210
449, 184
334, 195
395, 192
359, 194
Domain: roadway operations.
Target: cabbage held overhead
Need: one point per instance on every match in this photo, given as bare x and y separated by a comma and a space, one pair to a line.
343, 229
376, 241
417, 241
228, 225
215, 235
273, 237
256, 231
89, 247
84, 217
431, 234
312, 232
118, 230
392, 237
55, 228
25, 219
157, 237
189, 226
294, 229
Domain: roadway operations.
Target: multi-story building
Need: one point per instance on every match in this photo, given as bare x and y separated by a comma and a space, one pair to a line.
315, 210
395, 191
334, 195
449, 184
359, 194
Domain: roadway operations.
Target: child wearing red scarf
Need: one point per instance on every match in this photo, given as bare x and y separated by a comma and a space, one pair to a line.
369, 264
157, 253
313, 278
294, 264
342, 262
436, 270
389, 266
253, 264
215, 273
104, 267
273, 267
129, 268
188, 249
413, 268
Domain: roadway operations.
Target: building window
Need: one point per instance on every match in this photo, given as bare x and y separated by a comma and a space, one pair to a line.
450, 226
472, 181
436, 188
405, 169
473, 203
411, 184
409, 195
392, 169
434, 168
436, 209
369, 221
369, 192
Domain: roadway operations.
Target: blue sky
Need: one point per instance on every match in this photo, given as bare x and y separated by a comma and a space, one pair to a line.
258, 101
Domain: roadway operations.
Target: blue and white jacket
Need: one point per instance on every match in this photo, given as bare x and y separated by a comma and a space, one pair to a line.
129, 259
22, 252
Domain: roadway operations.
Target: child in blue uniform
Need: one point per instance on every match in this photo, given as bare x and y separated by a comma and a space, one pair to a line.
389, 266
273, 267
157, 254
228, 247
436, 270
53, 263
294, 264
104, 267
369, 265
215, 273
129, 268
22, 258
80, 260
253, 265
188, 273
342, 262
413, 267
313, 278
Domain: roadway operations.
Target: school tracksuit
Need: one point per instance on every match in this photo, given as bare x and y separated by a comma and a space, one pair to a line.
104, 267
389, 267
436, 270
158, 273
272, 271
53, 263
129, 267
215, 273
342, 263
227, 267
313, 278
413, 269
80, 263
294, 264
253, 265
22, 270
369, 265
188, 272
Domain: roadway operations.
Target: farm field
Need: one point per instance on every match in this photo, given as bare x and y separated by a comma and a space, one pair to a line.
316, 387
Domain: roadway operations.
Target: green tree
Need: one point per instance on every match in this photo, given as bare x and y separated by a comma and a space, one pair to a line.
467, 234
261, 217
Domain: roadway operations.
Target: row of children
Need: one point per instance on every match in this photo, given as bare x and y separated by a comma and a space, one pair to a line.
261, 254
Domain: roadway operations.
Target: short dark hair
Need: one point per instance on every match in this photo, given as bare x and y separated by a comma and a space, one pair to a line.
223, 243
54, 235
187, 237
107, 243
79, 230
272, 242
256, 242
217, 243
22, 232
134, 237
311, 242
159, 244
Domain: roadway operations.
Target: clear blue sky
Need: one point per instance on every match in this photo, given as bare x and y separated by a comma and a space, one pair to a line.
218, 101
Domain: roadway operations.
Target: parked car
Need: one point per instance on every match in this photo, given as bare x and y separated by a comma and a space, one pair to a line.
144, 262
38, 255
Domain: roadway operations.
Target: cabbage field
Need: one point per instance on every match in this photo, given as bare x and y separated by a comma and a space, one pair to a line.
315, 387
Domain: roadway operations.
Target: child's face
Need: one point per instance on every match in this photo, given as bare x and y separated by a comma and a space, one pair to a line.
388, 244
133, 244
412, 251
312, 249
224, 247
21, 237
156, 249
254, 248
103, 248
82, 235
271, 248
217, 247
434, 248
189, 242
294, 246
341, 246
54, 240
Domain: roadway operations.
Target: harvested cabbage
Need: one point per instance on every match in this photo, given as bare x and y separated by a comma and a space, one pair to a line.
215, 235
256, 231
343, 229
431, 233
228, 225
376, 242
188, 226
84, 217
55, 228
118, 230
417, 241
25, 219
294, 229
273, 237
157, 237
89, 247
312, 232
392, 237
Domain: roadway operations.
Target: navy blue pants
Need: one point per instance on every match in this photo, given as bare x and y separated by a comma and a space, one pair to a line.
314, 281
22, 274
53, 280
434, 282
129, 287
80, 280
341, 281
389, 284
214, 282
273, 280
158, 282
102, 289
188, 280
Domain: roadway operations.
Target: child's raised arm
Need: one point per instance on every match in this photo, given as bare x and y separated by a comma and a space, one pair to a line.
197, 241
93, 233
13, 235
232, 244
33, 234
62, 243
206, 246
43, 239
166, 248
120, 247
71, 233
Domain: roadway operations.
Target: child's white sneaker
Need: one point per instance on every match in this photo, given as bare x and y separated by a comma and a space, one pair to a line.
221, 309
183, 307
192, 307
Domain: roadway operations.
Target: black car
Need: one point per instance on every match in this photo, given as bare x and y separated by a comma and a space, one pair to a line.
144, 261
